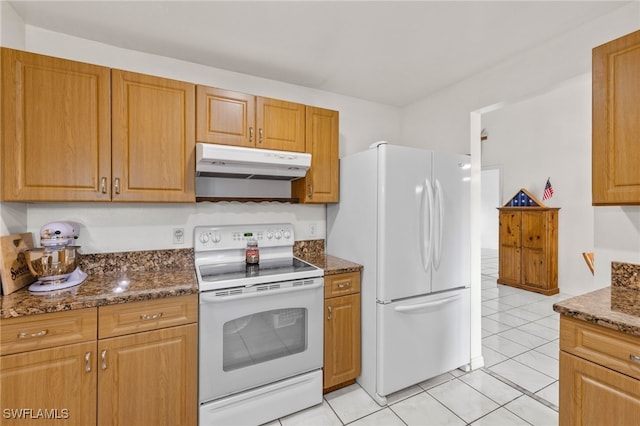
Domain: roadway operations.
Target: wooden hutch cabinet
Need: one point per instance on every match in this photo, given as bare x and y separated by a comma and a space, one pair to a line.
528, 245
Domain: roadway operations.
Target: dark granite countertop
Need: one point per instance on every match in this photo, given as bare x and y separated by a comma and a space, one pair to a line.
113, 278
614, 307
333, 265
135, 276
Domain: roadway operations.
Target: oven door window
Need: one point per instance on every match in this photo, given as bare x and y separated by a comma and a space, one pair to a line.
264, 336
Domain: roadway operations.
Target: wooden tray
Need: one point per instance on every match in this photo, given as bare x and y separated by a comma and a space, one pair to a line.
14, 271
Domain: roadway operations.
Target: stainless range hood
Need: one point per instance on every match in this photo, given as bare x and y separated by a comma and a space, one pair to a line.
223, 161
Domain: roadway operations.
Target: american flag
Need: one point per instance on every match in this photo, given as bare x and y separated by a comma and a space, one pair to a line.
548, 191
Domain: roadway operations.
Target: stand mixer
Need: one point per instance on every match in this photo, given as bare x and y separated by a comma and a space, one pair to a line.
55, 264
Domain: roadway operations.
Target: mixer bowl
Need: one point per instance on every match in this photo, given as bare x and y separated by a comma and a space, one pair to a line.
52, 264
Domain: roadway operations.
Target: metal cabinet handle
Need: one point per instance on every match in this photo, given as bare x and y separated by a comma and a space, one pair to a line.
103, 185
634, 358
310, 190
31, 335
330, 312
260, 135
116, 185
251, 134
344, 285
87, 362
146, 317
103, 358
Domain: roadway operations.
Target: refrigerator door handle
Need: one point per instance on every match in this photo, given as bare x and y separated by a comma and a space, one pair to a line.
426, 225
437, 255
420, 306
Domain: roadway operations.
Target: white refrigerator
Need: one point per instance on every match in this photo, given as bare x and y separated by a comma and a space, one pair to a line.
404, 214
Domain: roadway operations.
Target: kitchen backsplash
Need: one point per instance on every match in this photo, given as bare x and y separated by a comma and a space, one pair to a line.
177, 259
625, 275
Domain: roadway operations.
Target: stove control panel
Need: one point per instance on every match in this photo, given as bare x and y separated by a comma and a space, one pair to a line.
236, 236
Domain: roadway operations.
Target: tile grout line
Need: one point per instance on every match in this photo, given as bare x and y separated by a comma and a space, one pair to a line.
520, 389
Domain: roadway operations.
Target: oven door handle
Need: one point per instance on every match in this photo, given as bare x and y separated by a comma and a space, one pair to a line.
210, 296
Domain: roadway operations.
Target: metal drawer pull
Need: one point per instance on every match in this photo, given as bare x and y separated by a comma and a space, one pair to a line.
146, 317
103, 357
30, 335
330, 311
634, 358
345, 285
87, 362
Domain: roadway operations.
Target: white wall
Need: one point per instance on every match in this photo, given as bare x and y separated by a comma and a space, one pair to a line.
107, 227
550, 136
491, 198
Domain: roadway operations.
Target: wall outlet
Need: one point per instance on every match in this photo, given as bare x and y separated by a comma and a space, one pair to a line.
313, 229
178, 235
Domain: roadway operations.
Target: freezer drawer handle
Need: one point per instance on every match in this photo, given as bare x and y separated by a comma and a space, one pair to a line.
419, 306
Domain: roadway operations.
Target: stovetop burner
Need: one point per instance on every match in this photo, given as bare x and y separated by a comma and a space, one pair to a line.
220, 256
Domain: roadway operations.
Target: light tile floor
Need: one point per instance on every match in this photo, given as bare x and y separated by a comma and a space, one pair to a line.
517, 386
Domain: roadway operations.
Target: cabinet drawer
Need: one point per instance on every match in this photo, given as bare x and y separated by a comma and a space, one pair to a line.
610, 348
127, 318
341, 284
47, 330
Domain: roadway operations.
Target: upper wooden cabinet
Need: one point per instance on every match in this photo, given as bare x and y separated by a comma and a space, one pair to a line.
615, 124
321, 184
56, 129
233, 118
153, 146
78, 132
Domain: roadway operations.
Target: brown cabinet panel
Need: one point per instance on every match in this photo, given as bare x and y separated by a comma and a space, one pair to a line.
615, 124
342, 351
225, 117
281, 125
153, 139
509, 264
591, 394
322, 182
534, 267
49, 386
149, 378
49, 330
56, 128
534, 230
127, 318
342, 334
528, 248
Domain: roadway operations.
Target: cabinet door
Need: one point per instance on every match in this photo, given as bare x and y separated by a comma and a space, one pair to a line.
615, 124
281, 125
49, 386
510, 251
321, 184
153, 139
56, 129
225, 117
341, 340
149, 378
594, 395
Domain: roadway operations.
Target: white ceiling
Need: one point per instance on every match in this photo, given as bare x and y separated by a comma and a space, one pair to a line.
385, 51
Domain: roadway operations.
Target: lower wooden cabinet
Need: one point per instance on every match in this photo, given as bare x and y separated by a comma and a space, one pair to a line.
56, 368
149, 378
341, 330
56, 385
599, 380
